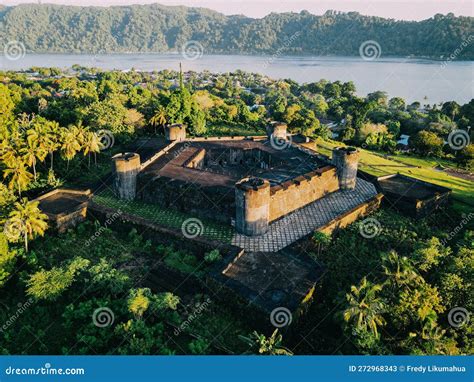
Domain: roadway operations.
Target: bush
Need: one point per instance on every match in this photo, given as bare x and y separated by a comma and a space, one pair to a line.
213, 256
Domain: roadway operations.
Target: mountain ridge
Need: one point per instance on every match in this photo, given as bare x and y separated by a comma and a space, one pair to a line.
51, 28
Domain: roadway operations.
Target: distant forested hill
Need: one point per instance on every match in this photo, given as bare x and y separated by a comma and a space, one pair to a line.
157, 28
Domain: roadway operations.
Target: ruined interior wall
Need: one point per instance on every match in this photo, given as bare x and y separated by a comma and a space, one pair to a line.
244, 157
197, 160
427, 207
417, 208
216, 203
299, 192
69, 219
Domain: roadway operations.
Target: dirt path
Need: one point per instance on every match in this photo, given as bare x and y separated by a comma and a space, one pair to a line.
458, 173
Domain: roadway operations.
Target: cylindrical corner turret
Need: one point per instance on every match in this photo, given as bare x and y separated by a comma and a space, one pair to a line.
252, 206
346, 160
175, 132
127, 167
277, 130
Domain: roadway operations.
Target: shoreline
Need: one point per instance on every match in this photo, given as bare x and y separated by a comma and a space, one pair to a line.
383, 58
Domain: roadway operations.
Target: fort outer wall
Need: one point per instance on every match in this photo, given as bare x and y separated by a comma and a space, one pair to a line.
351, 216
293, 194
301, 191
257, 204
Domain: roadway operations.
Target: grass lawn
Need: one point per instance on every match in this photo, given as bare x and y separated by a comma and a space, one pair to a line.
165, 217
226, 130
423, 169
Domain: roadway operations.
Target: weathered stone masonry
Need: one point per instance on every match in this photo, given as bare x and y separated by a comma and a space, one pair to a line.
252, 206
299, 192
127, 167
280, 180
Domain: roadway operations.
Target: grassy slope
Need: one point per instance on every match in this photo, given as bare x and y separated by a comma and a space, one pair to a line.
166, 217
423, 169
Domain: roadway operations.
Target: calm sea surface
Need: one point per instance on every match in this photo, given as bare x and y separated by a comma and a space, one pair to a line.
413, 79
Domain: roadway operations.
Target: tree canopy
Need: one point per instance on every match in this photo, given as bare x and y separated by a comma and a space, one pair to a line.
158, 28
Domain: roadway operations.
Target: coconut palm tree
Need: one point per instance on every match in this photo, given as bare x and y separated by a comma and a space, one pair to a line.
70, 143
8, 153
365, 307
19, 175
79, 131
33, 151
39, 134
52, 134
260, 344
399, 270
25, 222
159, 118
90, 145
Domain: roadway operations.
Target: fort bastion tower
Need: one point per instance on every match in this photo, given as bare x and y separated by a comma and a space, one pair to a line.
252, 202
346, 160
175, 132
127, 167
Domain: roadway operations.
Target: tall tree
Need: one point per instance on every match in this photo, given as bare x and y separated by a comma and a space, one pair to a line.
70, 143
26, 221
365, 307
19, 175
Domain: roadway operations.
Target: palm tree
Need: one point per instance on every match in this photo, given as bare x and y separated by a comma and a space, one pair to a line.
90, 145
52, 132
365, 307
20, 177
79, 131
260, 344
28, 221
70, 143
33, 151
159, 118
38, 134
399, 270
8, 153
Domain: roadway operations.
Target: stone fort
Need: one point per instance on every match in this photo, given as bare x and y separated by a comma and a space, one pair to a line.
252, 183
273, 189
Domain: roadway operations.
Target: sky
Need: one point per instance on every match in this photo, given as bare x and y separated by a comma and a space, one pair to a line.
397, 9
